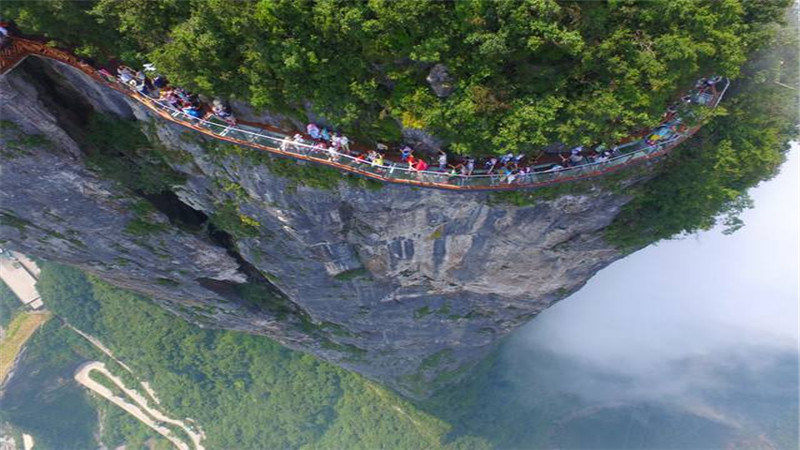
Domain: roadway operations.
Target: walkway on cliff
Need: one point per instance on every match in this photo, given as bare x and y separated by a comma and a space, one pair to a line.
670, 133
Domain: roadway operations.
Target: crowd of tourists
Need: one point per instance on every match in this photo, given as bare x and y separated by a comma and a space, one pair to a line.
336, 147
508, 168
157, 87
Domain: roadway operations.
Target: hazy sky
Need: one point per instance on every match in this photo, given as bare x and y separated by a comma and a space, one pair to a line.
690, 296
660, 324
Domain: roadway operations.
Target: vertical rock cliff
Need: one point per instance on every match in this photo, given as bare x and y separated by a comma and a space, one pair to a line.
406, 286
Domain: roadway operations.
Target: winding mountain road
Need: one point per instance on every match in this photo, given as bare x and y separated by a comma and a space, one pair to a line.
141, 410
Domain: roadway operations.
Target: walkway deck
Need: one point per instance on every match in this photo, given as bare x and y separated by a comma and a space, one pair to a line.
269, 140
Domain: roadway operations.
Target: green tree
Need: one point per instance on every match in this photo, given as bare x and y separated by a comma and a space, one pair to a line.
68, 294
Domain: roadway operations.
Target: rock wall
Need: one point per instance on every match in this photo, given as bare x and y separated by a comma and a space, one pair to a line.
406, 286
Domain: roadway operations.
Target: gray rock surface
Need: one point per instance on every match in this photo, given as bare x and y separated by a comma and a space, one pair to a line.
406, 286
440, 81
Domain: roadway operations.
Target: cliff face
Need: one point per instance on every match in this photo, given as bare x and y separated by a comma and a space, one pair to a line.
406, 286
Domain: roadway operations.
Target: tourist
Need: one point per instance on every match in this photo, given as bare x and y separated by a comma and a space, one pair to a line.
470, 166
699, 84
299, 144
139, 86
313, 131
525, 174
169, 97
160, 82
411, 160
193, 112
125, 74
223, 112
194, 100
319, 147
405, 153
490, 165
5, 39
182, 94
344, 142
508, 174
442, 161
325, 135
106, 75
333, 155
141, 76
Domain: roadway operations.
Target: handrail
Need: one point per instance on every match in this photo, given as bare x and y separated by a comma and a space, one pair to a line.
391, 173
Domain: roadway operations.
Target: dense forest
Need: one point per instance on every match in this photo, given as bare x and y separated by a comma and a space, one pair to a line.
9, 305
244, 391
705, 180
519, 75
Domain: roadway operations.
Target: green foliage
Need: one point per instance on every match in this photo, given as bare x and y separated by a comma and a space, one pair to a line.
246, 391
8, 219
119, 150
227, 217
9, 305
143, 223
298, 172
41, 402
363, 183
420, 313
142, 227
67, 293
306, 174
524, 73
706, 179
260, 294
436, 359
104, 381
167, 282
17, 143
118, 427
351, 274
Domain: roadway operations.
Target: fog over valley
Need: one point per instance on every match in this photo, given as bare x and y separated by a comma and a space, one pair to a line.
707, 325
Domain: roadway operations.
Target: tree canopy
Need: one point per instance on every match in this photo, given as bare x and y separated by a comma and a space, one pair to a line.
706, 179
244, 391
524, 73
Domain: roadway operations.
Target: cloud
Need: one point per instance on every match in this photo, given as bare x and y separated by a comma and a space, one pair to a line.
707, 324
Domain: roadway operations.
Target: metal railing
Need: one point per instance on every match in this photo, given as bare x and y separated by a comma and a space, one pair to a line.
400, 173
